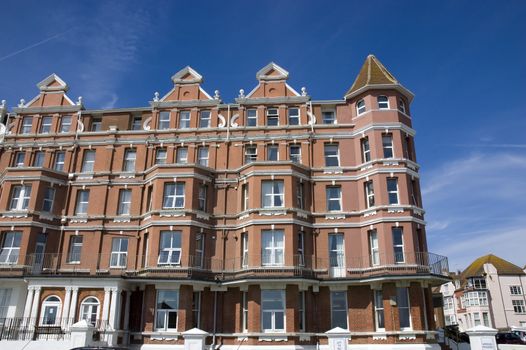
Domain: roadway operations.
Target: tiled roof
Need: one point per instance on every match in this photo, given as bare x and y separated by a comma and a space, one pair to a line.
373, 72
502, 266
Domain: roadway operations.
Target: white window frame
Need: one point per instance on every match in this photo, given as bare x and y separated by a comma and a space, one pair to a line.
401, 106
20, 197
20, 159
166, 312
199, 249
89, 308
515, 290
408, 307
518, 306
181, 155
119, 252
88, 161
47, 202
251, 154
295, 157
398, 248
383, 102
244, 312
271, 192
293, 117
273, 253
272, 114
184, 119
329, 154
387, 146
60, 158
176, 198
202, 155
196, 309
244, 249
65, 124
10, 251
476, 319
326, 120
27, 125
161, 155
274, 312
125, 199
172, 251
74, 256
81, 207
369, 193
164, 120
252, 117
45, 125
337, 254
485, 319
272, 149
366, 149
206, 121
301, 248
48, 303
300, 195
374, 247
329, 192
393, 193
379, 311
360, 107
245, 197
335, 295
130, 159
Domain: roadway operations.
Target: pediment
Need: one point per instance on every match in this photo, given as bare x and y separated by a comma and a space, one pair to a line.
187, 75
53, 83
272, 72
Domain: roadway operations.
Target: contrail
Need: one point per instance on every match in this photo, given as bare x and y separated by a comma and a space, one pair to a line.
33, 45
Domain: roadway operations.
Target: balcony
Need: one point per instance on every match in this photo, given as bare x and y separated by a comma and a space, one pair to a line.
276, 265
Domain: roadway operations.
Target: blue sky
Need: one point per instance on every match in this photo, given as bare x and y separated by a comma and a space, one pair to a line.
464, 60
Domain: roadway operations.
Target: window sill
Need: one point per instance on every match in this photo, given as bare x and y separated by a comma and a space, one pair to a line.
273, 338
407, 335
380, 335
333, 170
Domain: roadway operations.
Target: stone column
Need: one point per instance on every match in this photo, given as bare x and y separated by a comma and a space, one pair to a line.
482, 338
73, 305
106, 304
36, 304
65, 308
114, 308
29, 302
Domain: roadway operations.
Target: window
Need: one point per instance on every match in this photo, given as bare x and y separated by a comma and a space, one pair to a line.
27, 125
379, 319
252, 117
360, 107
273, 310
401, 106
366, 151
476, 319
515, 290
82, 202
449, 304
173, 195
130, 156
10, 248
203, 189
88, 161
294, 116
328, 117
89, 310
182, 155
170, 248
272, 117
164, 120
59, 161
45, 126
339, 310
392, 190
272, 153
375, 251
450, 320
96, 124
518, 306
20, 195
125, 197
272, 246
119, 252
369, 194
38, 159
49, 196
244, 249
50, 310
398, 244
204, 119
19, 159
245, 197
408, 148
65, 124
387, 143
199, 249
166, 310
184, 120
196, 309
336, 253
160, 156
136, 123
272, 194
75, 249
404, 314
332, 155
477, 282
300, 195
383, 102
301, 311
485, 319
244, 311
414, 192
301, 248
295, 153
334, 198
202, 156
251, 154
5, 298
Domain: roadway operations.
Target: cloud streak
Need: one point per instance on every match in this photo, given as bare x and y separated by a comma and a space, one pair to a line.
32, 46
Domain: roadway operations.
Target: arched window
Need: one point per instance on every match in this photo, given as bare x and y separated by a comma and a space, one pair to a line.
89, 310
401, 106
360, 107
51, 308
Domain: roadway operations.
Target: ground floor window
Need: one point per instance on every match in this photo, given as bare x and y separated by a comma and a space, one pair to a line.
89, 310
339, 310
50, 310
273, 310
5, 297
166, 310
404, 310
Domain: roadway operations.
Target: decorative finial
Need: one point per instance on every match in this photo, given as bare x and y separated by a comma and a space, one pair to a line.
156, 96
241, 93
216, 95
22, 103
304, 91
79, 101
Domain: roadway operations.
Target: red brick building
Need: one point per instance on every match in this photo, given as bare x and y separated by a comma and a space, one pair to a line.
265, 222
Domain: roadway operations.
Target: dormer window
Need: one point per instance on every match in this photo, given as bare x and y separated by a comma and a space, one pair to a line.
383, 102
272, 117
360, 107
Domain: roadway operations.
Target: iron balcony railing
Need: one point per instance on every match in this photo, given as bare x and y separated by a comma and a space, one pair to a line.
276, 263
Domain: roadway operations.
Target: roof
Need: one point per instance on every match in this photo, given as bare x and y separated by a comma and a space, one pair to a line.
374, 74
502, 266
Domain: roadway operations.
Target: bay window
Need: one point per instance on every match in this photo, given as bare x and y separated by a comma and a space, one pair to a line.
334, 198
10, 248
167, 305
272, 248
119, 252
20, 195
170, 248
332, 155
273, 311
339, 310
272, 195
173, 196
